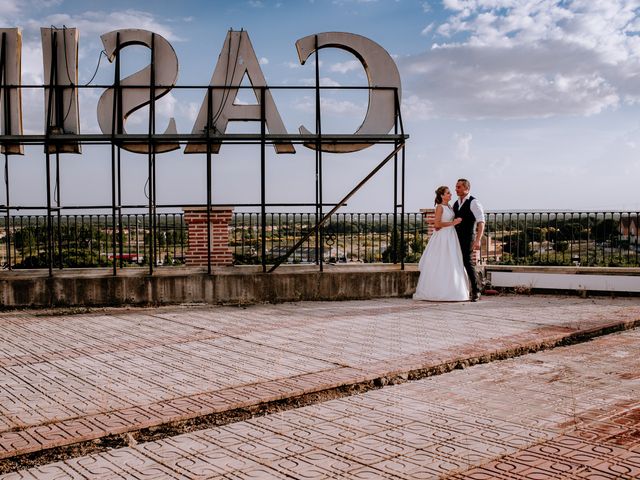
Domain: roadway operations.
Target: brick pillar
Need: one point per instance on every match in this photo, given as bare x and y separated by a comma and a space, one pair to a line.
196, 220
429, 215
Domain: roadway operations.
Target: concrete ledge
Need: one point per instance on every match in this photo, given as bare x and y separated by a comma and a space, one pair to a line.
232, 285
247, 284
582, 279
625, 271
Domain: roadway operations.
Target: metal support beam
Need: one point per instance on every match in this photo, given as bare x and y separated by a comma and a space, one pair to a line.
6, 102
263, 173
52, 82
49, 222
8, 211
319, 210
151, 179
115, 128
209, 180
335, 209
400, 126
119, 207
58, 212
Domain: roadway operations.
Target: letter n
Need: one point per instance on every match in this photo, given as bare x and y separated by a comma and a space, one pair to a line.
60, 57
11, 98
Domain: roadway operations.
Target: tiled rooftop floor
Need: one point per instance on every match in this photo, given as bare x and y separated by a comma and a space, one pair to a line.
69, 378
567, 413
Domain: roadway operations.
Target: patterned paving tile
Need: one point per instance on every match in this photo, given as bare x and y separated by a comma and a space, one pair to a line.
461, 425
71, 378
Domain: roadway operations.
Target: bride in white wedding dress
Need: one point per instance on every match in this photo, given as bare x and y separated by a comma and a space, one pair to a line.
442, 273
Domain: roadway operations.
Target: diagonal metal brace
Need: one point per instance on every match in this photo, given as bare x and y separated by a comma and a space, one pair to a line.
335, 209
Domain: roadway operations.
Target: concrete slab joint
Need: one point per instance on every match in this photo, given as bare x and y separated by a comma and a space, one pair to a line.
197, 225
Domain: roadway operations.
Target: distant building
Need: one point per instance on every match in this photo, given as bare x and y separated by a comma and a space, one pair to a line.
628, 228
304, 254
490, 250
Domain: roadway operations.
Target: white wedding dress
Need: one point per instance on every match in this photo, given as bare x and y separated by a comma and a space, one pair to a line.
442, 273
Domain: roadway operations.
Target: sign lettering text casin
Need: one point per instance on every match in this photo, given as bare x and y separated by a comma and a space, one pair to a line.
237, 60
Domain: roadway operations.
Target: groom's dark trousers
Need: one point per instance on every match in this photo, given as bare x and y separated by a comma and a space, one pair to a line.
465, 231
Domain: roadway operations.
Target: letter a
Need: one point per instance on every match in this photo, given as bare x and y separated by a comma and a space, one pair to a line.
236, 59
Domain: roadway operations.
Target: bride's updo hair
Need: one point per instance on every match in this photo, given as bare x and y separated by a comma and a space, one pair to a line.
440, 191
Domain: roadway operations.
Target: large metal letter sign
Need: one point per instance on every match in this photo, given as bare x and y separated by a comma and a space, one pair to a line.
60, 57
11, 98
236, 60
381, 72
165, 64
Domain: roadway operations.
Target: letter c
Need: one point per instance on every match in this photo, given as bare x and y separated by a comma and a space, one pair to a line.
381, 71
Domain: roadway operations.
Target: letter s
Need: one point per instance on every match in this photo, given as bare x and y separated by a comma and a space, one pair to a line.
165, 72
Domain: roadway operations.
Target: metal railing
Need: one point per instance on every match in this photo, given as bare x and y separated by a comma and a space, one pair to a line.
517, 238
512, 238
82, 241
347, 237
608, 239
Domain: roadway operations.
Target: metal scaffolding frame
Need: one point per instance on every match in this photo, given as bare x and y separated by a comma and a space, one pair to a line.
52, 140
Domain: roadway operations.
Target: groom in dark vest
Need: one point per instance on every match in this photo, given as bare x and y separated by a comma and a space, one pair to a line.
469, 231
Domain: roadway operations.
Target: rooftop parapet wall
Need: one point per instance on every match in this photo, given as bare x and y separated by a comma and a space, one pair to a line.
248, 285
237, 285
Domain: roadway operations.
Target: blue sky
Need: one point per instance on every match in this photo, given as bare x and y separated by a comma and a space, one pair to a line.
535, 101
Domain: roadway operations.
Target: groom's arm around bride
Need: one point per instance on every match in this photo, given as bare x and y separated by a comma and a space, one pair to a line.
470, 230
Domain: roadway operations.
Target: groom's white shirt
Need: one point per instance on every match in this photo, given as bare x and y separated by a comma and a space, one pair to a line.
475, 207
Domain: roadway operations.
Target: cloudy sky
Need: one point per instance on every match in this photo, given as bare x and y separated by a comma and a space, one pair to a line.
535, 101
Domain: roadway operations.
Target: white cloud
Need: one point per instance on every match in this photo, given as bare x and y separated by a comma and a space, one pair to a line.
416, 108
344, 2
428, 29
324, 82
499, 165
330, 105
454, 4
328, 82
345, 67
462, 142
341, 106
92, 24
15, 8
308, 64
190, 110
508, 58
9, 7
263, 61
167, 105
46, 3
